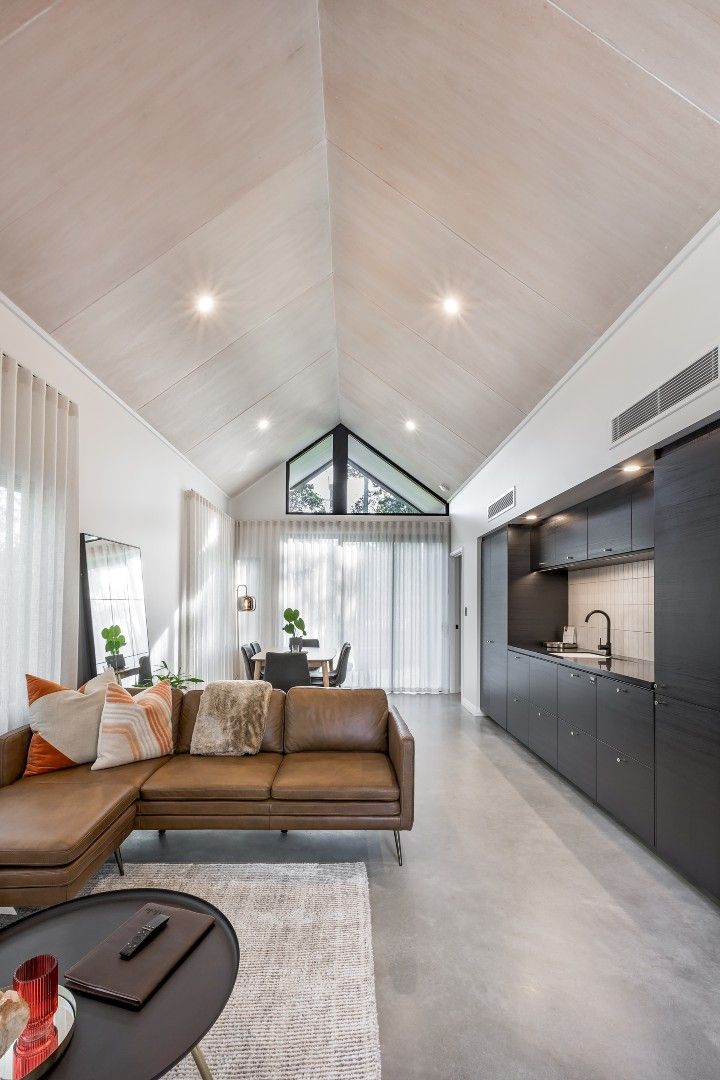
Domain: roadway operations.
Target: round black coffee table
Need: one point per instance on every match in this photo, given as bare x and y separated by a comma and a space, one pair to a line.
117, 1043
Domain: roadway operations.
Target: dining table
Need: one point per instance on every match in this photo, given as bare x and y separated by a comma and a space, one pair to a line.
316, 658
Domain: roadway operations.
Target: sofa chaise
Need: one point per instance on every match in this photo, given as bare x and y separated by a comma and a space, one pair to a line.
330, 759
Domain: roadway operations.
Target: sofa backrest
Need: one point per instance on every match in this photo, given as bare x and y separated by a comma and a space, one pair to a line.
272, 739
320, 718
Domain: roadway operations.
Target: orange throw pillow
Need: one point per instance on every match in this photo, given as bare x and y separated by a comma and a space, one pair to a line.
65, 723
135, 728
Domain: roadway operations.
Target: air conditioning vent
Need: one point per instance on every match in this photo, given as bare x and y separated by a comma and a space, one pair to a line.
505, 502
689, 381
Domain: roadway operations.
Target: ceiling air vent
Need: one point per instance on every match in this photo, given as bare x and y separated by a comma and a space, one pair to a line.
505, 502
689, 381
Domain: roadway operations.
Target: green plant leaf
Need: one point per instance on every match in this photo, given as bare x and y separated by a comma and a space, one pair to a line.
105, 633
296, 614
300, 623
288, 614
289, 629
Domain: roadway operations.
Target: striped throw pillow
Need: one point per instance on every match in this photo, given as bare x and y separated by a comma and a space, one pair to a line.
135, 728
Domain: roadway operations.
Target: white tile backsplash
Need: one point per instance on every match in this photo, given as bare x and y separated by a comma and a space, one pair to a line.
627, 592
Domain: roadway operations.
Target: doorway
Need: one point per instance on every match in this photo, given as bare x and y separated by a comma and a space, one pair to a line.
456, 616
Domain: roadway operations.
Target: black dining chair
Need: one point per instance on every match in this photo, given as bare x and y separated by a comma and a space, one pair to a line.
309, 643
255, 645
338, 674
247, 655
283, 670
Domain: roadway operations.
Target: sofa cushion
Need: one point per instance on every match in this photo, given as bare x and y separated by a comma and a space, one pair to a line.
274, 724
317, 718
207, 778
45, 824
336, 776
134, 774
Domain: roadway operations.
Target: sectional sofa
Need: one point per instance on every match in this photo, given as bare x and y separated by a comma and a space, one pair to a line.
330, 759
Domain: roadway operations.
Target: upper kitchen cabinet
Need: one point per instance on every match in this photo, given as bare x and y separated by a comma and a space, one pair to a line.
571, 536
609, 525
687, 570
543, 544
643, 515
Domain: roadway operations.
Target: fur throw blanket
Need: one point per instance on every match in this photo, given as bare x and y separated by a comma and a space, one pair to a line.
231, 718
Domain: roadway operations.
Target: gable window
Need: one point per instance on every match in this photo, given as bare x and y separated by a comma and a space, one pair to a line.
342, 474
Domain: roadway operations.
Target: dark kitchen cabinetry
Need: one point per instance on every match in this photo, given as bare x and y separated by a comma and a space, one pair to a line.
609, 525
687, 765
576, 753
642, 502
687, 571
625, 788
518, 672
577, 698
542, 726
494, 623
625, 719
571, 536
543, 547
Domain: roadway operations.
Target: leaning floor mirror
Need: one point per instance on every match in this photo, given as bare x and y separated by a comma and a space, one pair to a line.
111, 596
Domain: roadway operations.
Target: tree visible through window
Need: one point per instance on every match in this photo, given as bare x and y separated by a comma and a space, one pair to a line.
373, 498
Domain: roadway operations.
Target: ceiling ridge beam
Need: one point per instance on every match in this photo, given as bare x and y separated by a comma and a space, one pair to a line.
464, 240
183, 239
636, 63
281, 385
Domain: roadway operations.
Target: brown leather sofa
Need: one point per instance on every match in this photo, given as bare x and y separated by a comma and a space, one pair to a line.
330, 759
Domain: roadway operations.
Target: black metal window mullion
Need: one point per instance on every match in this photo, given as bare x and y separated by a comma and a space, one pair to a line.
340, 469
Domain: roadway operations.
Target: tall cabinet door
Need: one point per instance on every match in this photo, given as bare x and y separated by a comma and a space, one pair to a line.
687, 571
494, 621
687, 779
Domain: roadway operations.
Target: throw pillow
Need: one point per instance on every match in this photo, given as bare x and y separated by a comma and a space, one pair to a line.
135, 728
231, 718
64, 723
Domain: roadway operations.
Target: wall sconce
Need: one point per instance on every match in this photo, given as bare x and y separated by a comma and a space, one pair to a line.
245, 602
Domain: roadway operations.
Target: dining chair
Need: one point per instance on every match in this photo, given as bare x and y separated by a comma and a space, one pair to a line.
338, 674
255, 646
309, 643
247, 655
283, 670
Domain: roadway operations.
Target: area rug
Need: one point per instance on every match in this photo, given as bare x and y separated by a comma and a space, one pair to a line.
304, 1003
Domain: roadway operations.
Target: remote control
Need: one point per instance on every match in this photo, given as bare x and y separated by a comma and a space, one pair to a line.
146, 932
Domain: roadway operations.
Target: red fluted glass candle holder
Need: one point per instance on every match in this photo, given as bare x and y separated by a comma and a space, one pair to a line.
37, 982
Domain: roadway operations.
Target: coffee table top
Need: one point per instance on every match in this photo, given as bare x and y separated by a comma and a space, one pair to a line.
110, 1041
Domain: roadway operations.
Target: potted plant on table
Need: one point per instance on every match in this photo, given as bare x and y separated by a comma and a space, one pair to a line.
294, 626
114, 641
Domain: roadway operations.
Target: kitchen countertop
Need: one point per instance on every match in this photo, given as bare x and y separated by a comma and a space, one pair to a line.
640, 672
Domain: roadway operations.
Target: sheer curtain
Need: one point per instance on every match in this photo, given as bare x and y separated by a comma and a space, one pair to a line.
39, 537
379, 584
207, 615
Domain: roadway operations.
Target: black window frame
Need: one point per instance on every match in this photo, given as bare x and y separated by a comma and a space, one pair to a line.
340, 435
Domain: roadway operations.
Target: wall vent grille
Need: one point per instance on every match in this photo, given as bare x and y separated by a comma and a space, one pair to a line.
697, 376
505, 502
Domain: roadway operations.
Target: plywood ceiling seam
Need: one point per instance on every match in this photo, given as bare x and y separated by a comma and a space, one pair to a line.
404, 396
459, 236
26, 22
183, 239
246, 333
450, 360
233, 419
621, 52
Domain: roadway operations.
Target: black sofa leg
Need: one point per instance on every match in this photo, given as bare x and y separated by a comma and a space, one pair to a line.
284, 832
119, 861
161, 832
398, 846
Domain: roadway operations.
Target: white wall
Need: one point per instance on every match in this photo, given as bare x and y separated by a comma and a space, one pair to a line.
566, 439
131, 480
262, 501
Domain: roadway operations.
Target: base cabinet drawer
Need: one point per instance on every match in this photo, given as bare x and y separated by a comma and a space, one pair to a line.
543, 734
627, 790
577, 756
626, 719
577, 698
518, 718
518, 673
543, 685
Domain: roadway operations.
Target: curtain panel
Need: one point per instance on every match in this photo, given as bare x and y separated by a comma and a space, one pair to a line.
381, 584
39, 537
208, 641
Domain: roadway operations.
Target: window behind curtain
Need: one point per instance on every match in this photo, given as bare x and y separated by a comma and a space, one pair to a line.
39, 537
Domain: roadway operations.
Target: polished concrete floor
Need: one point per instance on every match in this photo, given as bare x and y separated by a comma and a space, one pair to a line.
527, 935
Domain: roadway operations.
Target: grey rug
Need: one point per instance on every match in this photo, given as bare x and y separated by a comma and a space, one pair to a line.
304, 1004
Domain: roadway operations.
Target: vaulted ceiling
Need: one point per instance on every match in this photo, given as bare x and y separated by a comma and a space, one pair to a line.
329, 177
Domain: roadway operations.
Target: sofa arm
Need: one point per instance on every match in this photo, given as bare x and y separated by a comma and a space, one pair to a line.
14, 745
401, 751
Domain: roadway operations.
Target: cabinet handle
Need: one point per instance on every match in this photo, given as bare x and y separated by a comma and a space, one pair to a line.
607, 549
659, 703
570, 558
489, 641
516, 699
574, 675
619, 760
539, 714
592, 679
572, 732
620, 690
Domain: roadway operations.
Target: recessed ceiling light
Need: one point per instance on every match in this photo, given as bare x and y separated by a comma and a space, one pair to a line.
444, 487
263, 424
531, 517
410, 425
632, 467
205, 303
451, 305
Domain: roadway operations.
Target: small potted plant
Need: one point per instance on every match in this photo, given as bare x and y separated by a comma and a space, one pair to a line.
294, 626
114, 641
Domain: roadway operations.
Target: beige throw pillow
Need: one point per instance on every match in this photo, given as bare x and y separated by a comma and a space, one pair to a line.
231, 718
